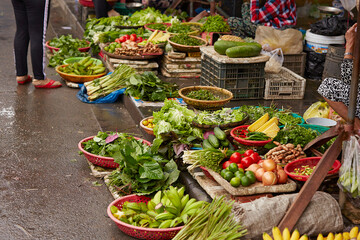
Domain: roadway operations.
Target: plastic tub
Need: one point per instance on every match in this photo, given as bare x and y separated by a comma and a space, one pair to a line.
319, 43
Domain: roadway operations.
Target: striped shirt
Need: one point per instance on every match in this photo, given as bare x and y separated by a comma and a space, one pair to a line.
275, 13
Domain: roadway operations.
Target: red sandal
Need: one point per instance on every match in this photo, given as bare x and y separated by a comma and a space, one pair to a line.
27, 80
48, 85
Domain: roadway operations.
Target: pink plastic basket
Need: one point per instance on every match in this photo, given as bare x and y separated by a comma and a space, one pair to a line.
139, 232
90, 4
55, 49
107, 162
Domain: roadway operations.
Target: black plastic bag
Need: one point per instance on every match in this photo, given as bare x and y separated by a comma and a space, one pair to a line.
330, 26
314, 66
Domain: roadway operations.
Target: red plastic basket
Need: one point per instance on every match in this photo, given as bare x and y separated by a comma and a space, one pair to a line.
90, 4
310, 161
52, 49
247, 142
107, 162
140, 232
153, 30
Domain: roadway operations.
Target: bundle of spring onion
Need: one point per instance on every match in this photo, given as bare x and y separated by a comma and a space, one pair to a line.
213, 222
209, 158
105, 85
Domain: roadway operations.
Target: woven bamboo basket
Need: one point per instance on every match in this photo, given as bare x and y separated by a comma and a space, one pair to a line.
186, 48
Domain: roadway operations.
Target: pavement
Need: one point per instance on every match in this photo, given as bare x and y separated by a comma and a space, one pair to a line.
46, 190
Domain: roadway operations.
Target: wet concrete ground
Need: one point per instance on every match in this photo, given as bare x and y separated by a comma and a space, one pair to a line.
46, 190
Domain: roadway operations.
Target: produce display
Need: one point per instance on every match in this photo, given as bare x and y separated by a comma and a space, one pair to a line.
215, 24
158, 26
105, 85
217, 140
130, 48
187, 40
285, 235
147, 15
202, 94
166, 209
149, 87
269, 173
252, 136
305, 170
285, 153
353, 234
220, 117
178, 28
86, 66
264, 125
68, 40
235, 49
156, 38
209, 158
148, 123
296, 135
237, 176
212, 222
111, 36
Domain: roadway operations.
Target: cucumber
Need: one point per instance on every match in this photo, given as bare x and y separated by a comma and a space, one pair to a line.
244, 51
220, 46
206, 144
213, 141
225, 143
220, 134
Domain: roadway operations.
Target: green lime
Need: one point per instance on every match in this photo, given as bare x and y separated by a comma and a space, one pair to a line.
241, 170
228, 176
235, 182
222, 173
106, 48
239, 174
251, 175
118, 45
111, 50
233, 167
245, 181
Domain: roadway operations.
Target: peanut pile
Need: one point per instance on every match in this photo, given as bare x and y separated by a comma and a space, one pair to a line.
285, 153
130, 48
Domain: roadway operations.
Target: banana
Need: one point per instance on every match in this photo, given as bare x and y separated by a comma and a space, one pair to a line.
266, 236
176, 222
194, 205
338, 236
164, 199
184, 201
185, 218
304, 237
181, 192
346, 235
157, 197
330, 236
172, 210
165, 216
174, 197
358, 236
276, 233
354, 232
320, 237
286, 234
151, 205
165, 224
295, 235
191, 201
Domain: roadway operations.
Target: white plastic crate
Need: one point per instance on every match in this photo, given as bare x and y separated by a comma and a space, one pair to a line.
284, 85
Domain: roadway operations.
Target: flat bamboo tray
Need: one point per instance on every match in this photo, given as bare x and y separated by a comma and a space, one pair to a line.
186, 48
255, 188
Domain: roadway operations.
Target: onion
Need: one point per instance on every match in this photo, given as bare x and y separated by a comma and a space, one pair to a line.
269, 178
282, 176
260, 163
269, 165
253, 167
259, 173
278, 167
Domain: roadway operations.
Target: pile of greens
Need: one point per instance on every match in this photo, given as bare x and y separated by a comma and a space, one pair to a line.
179, 28
68, 40
202, 94
64, 53
223, 116
185, 39
181, 15
158, 26
148, 15
285, 116
149, 87
215, 24
295, 134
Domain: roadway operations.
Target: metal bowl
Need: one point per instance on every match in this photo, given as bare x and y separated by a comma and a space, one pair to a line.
134, 5
327, 9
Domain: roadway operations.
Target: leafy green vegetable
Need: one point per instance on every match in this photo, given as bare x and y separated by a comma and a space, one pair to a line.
215, 24
185, 39
158, 26
223, 116
202, 94
181, 15
148, 15
149, 87
209, 158
295, 134
66, 40
179, 28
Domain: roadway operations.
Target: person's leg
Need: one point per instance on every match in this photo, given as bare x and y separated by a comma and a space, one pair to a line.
38, 15
21, 40
102, 8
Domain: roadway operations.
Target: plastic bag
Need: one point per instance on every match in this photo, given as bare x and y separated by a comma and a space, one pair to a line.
110, 98
314, 65
330, 26
349, 175
289, 40
274, 64
317, 109
348, 5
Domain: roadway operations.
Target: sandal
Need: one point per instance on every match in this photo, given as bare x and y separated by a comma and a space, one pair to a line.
27, 80
50, 84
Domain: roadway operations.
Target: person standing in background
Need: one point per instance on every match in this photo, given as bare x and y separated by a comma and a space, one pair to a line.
278, 14
31, 23
103, 9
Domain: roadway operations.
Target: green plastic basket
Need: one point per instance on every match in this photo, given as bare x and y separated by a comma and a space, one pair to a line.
319, 129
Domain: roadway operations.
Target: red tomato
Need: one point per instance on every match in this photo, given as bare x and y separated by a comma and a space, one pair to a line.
122, 39
246, 161
226, 164
255, 156
117, 40
139, 39
240, 165
127, 36
248, 152
133, 37
235, 157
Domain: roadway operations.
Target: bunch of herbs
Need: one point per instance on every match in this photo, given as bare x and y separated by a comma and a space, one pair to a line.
223, 116
202, 94
187, 40
215, 24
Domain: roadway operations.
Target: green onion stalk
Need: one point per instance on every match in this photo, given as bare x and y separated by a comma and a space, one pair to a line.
209, 158
212, 222
105, 85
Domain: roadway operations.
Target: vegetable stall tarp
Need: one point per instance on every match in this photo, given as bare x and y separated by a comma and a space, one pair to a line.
110, 98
